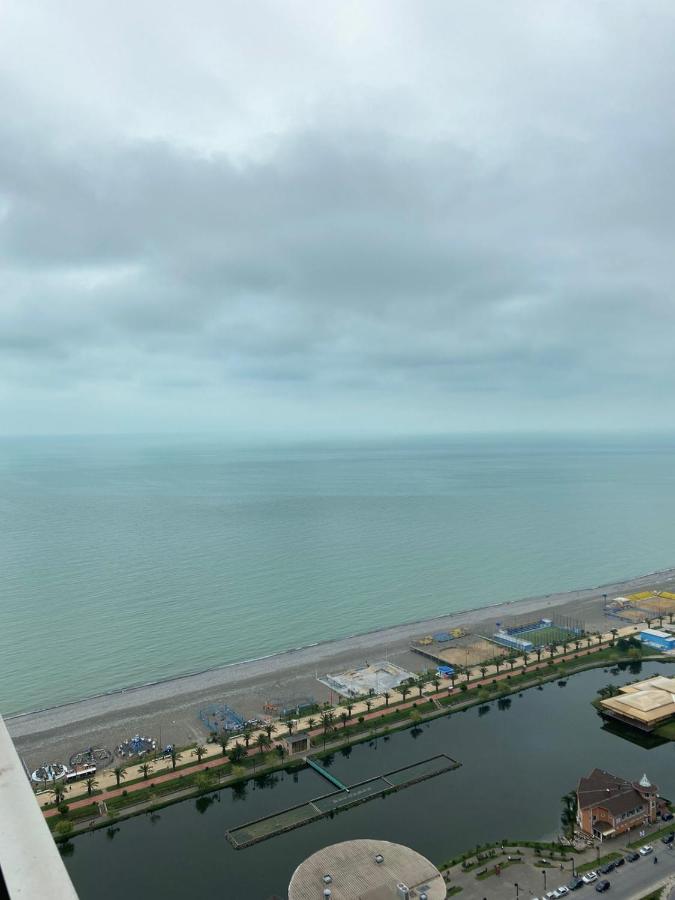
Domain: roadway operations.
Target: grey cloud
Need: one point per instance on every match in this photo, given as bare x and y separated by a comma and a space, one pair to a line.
355, 261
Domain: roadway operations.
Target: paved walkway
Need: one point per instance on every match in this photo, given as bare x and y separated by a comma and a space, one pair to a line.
161, 770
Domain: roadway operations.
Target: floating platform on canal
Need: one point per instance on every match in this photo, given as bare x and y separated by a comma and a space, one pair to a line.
296, 816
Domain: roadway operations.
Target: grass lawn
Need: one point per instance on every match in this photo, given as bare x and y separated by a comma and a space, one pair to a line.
654, 836
596, 863
552, 635
493, 870
666, 731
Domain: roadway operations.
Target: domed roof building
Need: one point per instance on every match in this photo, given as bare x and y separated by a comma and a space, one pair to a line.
367, 870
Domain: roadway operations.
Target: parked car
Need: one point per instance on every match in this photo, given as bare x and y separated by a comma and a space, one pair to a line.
633, 857
619, 862
575, 883
668, 838
602, 886
667, 816
589, 877
607, 868
562, 891
646, 850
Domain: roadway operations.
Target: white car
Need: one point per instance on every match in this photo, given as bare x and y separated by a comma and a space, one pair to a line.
562, 891
589, 877
646, 850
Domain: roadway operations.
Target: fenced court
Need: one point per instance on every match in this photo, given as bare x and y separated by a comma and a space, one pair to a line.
643, 605
220, 717
469, 650
296, 816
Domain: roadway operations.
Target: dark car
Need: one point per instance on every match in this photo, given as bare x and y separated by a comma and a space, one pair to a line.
575, 884
668, 838
619, 862
602, 886
606, 869
667, 816
633, 857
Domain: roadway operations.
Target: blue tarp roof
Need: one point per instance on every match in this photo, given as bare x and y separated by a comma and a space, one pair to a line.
446, 670
442, 636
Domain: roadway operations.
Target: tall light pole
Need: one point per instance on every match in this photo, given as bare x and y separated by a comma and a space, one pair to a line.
517, 890
543, 872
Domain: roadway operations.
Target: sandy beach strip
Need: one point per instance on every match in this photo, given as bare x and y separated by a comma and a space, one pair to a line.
169, 709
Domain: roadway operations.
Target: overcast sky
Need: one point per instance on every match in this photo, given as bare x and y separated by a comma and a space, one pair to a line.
323, 218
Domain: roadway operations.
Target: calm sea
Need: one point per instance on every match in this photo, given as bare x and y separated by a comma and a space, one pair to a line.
125, 560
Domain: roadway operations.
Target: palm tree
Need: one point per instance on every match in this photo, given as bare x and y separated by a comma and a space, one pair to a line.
270, 728
511, 659
387, 697
350, 707
497, 663
538, 650
311, 723
436, 681
483, 670
419, 683
565, 645
281, 751
289, 723
175, 755
145, 769
568, 817
119, 772
91, 784
525, 658
369, 704
246, 733
198, 750
58, 789
263, 742
551, 650
589, 640
327, 720
404, 690
236, 754
457, 670
344, 718
577, 644
614, 633
223, 740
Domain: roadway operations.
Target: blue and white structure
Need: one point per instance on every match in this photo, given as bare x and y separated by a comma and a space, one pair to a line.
660, 640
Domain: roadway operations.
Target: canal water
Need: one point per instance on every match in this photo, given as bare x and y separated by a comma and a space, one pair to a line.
519, 756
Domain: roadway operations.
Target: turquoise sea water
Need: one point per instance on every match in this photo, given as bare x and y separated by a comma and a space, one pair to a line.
125, 560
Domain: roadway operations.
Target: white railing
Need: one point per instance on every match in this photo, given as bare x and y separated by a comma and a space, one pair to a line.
30, 862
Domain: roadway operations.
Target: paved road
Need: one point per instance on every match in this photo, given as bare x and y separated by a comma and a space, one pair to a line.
631, 881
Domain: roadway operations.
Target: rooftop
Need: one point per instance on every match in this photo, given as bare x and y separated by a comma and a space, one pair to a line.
647, 702
611, 792
365, 870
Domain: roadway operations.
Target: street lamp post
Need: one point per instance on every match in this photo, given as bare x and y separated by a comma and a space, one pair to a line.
543, 872
517, 890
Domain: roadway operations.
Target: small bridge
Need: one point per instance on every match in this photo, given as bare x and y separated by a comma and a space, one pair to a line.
327, 775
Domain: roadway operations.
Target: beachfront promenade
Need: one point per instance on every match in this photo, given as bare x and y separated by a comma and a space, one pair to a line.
161, 770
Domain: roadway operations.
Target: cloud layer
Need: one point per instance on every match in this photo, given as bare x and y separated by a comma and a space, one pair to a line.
308, 218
